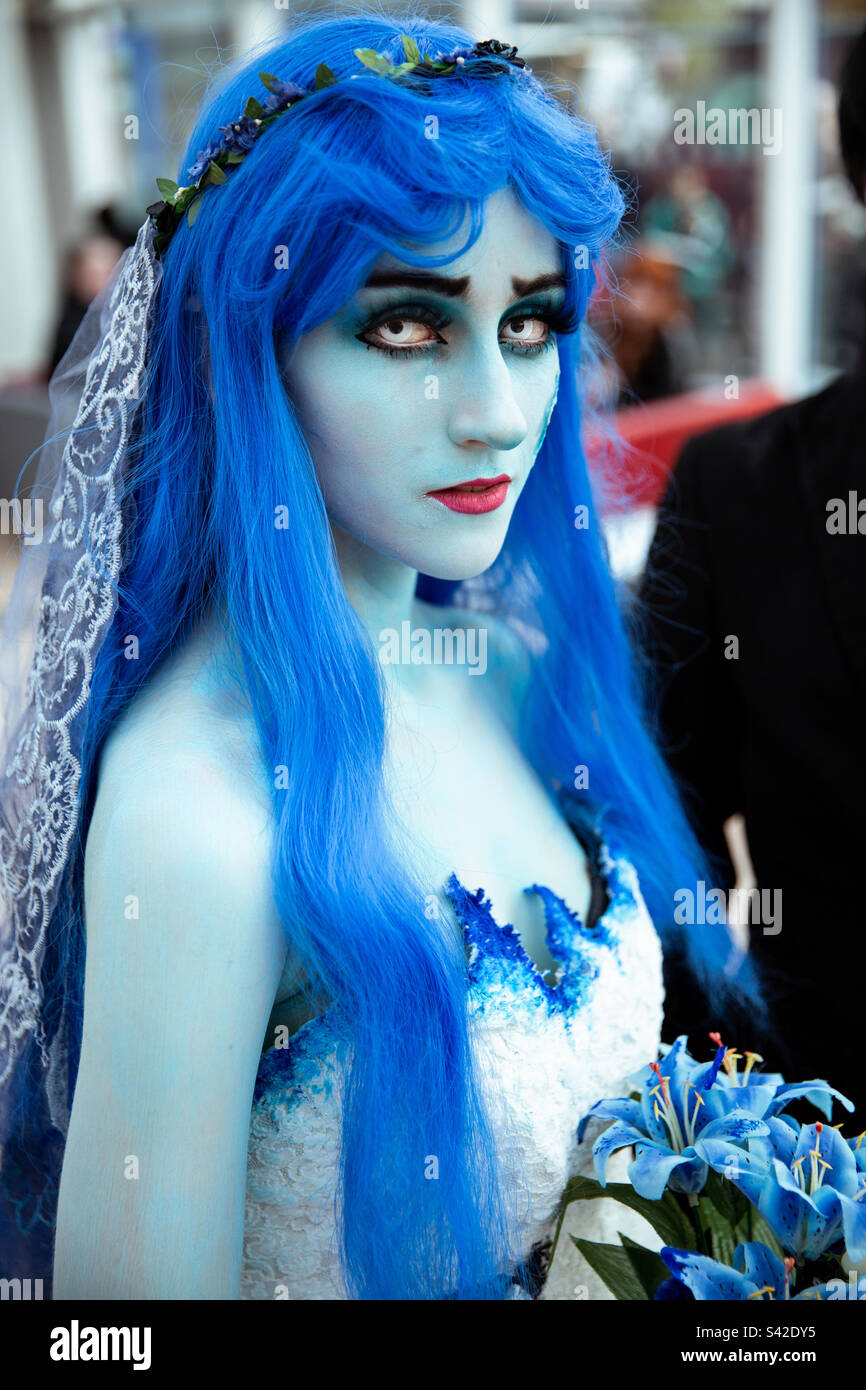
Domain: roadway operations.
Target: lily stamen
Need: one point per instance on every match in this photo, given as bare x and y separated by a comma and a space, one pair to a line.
699, 1101
669, 1114
753, 1058
797, 1170
816, 1157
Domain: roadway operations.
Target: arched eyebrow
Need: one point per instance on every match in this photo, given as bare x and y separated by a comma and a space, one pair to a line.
554, 281
456, 287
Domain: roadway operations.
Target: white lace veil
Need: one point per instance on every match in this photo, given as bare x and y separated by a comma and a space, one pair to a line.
62, 603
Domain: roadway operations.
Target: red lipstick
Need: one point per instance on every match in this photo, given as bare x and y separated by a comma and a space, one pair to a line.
477, 495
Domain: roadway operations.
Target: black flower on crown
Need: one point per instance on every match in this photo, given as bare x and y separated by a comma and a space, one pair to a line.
492, 48
164, 220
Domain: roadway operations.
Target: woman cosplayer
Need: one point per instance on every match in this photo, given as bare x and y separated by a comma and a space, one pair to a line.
331, 749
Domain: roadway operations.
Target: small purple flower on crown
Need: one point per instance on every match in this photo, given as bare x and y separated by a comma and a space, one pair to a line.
203, 159
281, 94
240, 135
455, 56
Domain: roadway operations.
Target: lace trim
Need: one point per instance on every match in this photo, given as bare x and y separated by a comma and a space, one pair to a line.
73, 614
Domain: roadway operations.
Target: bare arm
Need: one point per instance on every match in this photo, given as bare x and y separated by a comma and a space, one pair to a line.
184, 952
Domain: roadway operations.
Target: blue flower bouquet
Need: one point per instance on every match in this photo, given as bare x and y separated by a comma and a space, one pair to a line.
749, 1202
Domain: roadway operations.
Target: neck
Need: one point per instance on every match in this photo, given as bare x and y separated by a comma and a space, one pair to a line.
382, 592
380, 589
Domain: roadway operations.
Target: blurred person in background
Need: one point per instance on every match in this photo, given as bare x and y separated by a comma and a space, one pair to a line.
645, 325
692, 224
88, 265
755, 599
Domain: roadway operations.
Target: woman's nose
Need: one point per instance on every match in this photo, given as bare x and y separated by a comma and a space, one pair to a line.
485, 411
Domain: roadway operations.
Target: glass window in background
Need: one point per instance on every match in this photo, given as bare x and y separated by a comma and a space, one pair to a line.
688, 308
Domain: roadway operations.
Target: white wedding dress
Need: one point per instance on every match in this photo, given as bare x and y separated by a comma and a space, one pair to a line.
548, 1052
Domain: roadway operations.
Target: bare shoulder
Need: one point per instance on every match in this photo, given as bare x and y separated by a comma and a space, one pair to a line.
182, 795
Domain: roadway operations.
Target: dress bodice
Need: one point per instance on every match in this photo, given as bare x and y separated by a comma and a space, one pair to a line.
547, 1051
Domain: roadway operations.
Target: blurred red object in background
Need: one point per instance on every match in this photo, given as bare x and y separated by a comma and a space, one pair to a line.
651, 436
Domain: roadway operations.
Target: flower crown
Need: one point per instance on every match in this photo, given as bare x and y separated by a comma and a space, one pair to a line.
239, 136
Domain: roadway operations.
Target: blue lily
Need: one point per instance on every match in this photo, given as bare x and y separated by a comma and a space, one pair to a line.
757, 1273
763, 1094
686, 1104
666, 1123
805, 1182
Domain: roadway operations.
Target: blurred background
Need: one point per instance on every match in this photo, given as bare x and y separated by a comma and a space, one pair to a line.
740, 283
743, 277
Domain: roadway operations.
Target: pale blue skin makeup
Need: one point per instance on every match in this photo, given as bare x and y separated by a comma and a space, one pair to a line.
450, 390
182, 994
381, 439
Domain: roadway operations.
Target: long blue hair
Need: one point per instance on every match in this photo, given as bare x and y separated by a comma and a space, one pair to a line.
342, 178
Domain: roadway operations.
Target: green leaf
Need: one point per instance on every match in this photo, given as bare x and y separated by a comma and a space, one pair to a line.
648, 1265
267, 79
254, 108
168, 188
665, 1216
234, 157
612, 1264
325, 76
215, 174
727, 1199
723, 1242
194, 210
411, 49
761, 1231
371, 59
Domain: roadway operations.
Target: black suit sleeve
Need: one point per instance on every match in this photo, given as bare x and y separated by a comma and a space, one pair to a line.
693, 691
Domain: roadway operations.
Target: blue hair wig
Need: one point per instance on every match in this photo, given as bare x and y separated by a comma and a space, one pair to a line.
339, 180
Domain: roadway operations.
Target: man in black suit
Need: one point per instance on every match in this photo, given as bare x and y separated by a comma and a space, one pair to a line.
755, 598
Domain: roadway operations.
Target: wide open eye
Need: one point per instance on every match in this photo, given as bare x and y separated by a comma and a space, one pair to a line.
401, 331
404, 330
531, 332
